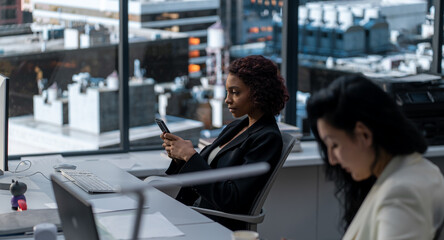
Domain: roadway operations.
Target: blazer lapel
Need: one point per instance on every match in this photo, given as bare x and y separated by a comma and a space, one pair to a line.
361, 215
241, 138
222, 139
364, 211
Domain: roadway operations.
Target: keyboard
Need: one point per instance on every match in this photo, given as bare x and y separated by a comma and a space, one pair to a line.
87, 181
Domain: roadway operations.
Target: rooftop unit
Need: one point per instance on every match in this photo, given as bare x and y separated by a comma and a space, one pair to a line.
340, 30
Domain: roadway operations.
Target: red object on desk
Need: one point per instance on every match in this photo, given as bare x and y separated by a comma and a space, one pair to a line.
22, 205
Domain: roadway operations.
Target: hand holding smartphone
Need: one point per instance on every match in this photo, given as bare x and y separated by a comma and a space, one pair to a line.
162, 125
164, 129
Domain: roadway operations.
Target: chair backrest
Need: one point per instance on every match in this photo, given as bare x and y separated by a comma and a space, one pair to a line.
288, 143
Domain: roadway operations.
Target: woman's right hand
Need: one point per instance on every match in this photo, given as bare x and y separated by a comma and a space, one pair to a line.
176, 147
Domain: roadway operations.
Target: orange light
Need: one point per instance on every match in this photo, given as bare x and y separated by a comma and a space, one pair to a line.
270, 29
193, 41
281, 3
254, 30
273, 2
193, 68
269, 38
194, 53
253, 1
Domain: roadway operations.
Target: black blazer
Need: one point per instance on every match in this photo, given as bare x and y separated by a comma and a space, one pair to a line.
262, 142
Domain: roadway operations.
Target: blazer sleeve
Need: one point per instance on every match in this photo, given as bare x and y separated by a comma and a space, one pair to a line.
237, 195
176, 166
402, 215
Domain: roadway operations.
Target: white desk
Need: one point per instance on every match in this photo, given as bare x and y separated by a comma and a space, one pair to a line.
148, 163
193, 224
301, 203
212, 230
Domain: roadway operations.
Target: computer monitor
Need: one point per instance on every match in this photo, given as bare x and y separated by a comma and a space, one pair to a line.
4, 95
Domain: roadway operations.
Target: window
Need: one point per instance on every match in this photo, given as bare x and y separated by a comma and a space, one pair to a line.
64, 71
7, 14
59, 97
7, 2
337, 38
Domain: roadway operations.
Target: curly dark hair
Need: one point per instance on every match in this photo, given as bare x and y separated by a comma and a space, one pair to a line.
261, 75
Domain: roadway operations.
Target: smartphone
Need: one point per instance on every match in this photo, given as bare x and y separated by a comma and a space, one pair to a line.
162, 125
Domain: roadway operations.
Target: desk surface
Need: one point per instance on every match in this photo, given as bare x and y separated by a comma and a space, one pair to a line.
193, 224
148, 163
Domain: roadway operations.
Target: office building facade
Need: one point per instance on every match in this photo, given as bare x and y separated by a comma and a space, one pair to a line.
191, 17
10, 12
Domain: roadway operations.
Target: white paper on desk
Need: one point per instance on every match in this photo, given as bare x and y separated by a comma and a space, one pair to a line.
152, 226
51, 205
123, 163
112, 204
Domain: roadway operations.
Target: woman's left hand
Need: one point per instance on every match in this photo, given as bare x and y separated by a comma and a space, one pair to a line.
178, 148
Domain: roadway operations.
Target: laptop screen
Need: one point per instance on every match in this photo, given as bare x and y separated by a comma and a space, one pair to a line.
75, 213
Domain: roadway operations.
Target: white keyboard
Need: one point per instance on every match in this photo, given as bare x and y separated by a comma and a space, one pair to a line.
87, 181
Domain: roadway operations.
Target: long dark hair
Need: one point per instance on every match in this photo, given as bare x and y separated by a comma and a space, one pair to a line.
346, 101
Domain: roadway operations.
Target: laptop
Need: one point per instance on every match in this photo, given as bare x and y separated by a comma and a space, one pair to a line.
76, 214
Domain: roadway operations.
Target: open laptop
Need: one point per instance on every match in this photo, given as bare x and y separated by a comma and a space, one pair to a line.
76, 214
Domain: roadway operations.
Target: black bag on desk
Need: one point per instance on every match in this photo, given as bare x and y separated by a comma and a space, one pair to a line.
22, 222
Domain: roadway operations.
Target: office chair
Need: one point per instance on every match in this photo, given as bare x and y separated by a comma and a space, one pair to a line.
257, 214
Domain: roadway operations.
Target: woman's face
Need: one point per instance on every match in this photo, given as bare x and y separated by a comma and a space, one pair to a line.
354, 154
238, 97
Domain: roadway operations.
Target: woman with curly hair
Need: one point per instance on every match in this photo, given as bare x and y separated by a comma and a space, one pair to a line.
373, 153
256, 89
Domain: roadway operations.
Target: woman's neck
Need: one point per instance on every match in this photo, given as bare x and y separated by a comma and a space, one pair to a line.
253, 117
383, 159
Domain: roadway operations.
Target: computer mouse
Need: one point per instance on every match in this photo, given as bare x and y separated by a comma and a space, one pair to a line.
60, 166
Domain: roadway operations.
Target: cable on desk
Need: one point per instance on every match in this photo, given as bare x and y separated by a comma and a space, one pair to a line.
32, 174
24, 162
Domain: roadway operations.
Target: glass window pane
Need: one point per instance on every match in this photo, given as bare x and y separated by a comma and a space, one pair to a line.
338, 38
167, 61
194, 43
63, 70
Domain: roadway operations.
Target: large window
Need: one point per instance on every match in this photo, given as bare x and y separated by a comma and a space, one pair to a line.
64, 66
60, 99
66, 92
196, 61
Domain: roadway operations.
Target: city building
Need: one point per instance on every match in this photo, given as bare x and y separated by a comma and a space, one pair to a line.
192, 17
249, 21
11, 12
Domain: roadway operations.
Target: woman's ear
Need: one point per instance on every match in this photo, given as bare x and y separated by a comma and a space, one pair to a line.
364, 134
